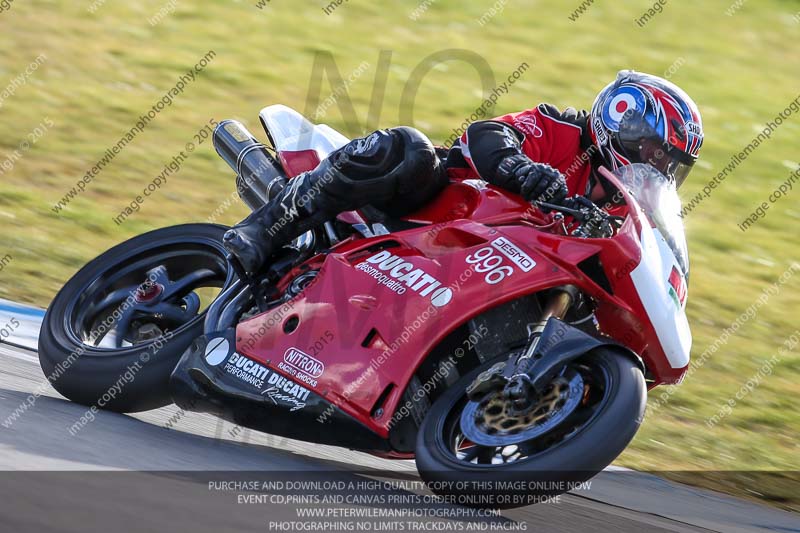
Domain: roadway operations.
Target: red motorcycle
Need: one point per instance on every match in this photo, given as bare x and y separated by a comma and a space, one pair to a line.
493, 341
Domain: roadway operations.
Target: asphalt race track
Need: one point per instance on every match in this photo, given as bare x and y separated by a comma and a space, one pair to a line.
132, 473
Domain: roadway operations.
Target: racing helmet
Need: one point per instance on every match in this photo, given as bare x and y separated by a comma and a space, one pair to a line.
640, 118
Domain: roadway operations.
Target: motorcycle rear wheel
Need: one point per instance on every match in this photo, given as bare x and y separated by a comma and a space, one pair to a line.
113, 334
565, 449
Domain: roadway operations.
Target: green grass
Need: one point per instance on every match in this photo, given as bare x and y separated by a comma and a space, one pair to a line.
105, 69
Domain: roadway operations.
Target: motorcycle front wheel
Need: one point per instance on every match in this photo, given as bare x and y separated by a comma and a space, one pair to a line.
490, 454
113, 334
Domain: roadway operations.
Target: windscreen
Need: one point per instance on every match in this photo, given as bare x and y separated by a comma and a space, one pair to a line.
659, 200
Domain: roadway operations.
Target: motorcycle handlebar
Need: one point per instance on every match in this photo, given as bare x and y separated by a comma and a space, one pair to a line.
593, 220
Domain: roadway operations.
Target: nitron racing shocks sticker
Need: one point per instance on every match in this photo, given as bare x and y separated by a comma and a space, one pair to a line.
302, 366
280, 390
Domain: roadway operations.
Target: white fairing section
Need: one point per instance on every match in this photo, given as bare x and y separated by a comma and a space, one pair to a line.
292, 132
651, 279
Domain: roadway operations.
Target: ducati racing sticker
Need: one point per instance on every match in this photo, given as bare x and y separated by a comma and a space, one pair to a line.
286, 391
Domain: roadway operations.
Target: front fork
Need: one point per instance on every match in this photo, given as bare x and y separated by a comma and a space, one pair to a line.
553, 345
521, 386
524, 379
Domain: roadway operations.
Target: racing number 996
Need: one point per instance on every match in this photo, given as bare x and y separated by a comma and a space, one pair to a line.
488, 260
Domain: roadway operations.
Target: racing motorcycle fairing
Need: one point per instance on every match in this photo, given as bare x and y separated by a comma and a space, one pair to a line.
661, 277
212, 377
300, 144
377, 307
350, 339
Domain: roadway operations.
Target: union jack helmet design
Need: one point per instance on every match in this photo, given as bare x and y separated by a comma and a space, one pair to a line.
640, 118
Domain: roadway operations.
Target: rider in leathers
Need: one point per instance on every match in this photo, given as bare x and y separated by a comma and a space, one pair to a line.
539, 153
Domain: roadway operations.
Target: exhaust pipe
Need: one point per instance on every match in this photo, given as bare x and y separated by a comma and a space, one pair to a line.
259, 176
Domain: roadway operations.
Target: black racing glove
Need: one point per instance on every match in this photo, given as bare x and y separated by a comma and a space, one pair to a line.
537, 181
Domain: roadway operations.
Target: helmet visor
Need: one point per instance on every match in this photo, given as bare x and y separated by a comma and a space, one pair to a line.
643, 144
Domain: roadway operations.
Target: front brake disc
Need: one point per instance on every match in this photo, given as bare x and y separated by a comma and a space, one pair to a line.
492, 421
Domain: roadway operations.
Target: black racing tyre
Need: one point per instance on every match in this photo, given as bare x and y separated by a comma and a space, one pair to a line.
565, 448
113, 334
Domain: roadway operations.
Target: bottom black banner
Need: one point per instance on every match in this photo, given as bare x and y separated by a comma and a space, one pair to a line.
346, 501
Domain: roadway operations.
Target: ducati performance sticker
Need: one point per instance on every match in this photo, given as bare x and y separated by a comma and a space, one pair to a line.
246, 370
399, 275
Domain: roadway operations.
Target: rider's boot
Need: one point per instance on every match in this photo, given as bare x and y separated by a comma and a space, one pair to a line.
397, 166
297, 208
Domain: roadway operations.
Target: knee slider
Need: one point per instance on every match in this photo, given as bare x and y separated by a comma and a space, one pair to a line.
385, 167
419, 167
369, 157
